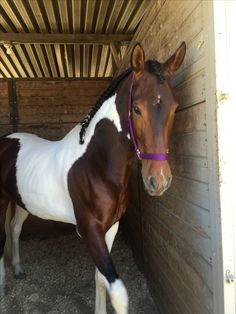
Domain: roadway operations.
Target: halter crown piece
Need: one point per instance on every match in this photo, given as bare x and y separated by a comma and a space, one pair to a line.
148, 156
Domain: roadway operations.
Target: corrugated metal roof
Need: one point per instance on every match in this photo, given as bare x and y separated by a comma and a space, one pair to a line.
66, 38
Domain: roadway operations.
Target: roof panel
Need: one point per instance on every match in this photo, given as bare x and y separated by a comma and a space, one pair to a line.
59, 60
76, 13
24, 14
102, 11
50, 15
60, 57
11, 16
4, 70
33, 58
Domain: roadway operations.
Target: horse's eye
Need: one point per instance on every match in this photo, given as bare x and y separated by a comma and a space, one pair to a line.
137, 110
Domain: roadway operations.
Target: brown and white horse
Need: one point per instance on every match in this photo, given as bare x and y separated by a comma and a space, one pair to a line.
82, 179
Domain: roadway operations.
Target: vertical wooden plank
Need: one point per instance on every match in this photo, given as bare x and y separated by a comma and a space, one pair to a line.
221, 111
13, 105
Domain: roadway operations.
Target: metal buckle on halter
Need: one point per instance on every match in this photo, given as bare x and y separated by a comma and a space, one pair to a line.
138, 154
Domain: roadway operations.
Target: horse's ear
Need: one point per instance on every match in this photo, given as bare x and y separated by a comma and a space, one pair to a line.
137, 59
175, 61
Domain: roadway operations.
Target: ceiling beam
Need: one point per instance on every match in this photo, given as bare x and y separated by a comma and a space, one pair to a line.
115, 55
36, 38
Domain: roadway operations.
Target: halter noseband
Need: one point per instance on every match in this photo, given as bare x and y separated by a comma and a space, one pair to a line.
149, 156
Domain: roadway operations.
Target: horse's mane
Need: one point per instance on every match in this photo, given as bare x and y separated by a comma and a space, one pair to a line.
153, 67
106, 94
156, 68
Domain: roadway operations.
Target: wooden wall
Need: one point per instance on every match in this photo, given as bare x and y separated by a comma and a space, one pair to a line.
175, 249
5, 119
48, 108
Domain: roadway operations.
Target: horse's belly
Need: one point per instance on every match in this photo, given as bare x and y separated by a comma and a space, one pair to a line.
41, 176
58, 208
44, 192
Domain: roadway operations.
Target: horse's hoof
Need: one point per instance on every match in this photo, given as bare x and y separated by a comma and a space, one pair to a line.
3, 291
21, 275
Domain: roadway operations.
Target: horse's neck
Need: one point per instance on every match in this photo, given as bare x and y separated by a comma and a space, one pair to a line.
107, 111
108, 121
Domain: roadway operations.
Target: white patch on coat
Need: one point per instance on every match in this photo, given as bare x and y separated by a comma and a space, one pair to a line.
42, 167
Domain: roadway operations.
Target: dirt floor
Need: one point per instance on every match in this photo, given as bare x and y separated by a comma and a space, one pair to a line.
60, 279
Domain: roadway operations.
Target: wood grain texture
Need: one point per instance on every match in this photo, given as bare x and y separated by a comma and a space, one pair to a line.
50, 109
176, 228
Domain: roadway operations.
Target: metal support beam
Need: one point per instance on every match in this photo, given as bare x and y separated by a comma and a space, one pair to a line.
36, 38
115, 54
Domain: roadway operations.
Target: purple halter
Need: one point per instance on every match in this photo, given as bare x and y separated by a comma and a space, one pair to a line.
149, 156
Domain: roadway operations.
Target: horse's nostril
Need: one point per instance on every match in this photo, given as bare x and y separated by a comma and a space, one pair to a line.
153, 183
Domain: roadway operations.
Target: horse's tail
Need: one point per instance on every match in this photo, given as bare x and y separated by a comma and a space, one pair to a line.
8, 244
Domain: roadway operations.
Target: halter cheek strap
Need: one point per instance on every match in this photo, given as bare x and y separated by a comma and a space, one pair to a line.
149, 156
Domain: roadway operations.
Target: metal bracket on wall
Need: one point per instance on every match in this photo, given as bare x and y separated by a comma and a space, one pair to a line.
229, 276
13, 105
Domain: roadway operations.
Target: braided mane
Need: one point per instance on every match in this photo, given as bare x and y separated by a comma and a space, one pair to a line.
106, 94
153, 67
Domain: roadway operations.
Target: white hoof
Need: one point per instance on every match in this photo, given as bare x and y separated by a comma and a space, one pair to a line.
19, 272
3, 290
2, 278
119, 297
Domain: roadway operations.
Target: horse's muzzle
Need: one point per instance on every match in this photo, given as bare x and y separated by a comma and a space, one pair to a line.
157, 177
157, 187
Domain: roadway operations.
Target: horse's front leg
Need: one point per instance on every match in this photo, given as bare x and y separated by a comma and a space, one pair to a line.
99, 250
100, 305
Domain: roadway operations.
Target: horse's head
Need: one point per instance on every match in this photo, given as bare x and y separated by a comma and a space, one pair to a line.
152, 115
